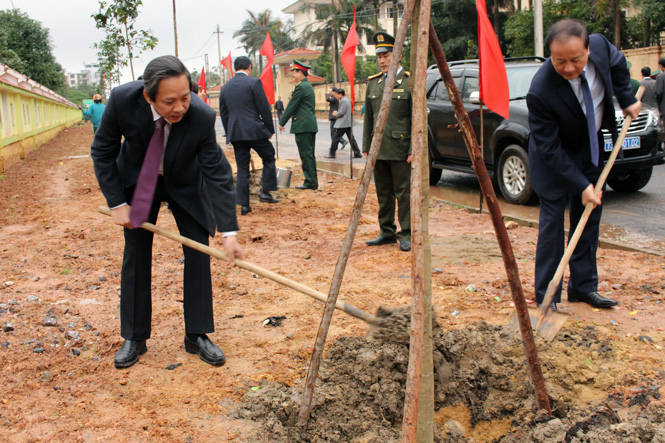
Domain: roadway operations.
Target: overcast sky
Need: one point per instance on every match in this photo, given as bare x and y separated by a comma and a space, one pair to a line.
73, 31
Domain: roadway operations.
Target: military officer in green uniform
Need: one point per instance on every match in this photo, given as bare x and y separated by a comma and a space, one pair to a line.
392, 172
303, 125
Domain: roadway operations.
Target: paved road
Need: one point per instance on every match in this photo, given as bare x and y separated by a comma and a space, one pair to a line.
634, 220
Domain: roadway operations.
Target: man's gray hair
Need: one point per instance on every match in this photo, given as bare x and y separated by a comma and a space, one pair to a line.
159, 69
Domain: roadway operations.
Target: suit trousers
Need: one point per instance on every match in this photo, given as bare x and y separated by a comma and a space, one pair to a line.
333, 130
393, 184
551, 246
339, 134
135, 290
243, 156
306, 142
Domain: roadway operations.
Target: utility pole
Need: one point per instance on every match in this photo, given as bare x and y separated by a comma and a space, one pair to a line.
219, 54
175, 30
538, 27
205, 56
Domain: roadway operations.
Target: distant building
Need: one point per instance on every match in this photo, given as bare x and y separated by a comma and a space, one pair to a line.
87, 76
304, 13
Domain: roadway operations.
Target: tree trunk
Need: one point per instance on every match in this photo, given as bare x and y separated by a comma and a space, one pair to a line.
418, 421
175, 30
129, 53
335, 67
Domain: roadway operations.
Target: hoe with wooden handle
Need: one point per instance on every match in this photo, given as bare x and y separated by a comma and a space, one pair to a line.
351, 310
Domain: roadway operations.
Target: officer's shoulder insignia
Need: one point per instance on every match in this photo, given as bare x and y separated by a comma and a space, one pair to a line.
407, 73
371, 77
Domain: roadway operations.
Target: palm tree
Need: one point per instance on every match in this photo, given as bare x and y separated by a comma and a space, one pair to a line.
333, 24
253, 30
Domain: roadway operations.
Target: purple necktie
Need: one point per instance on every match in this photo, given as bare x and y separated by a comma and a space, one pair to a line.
590, 119
145, 187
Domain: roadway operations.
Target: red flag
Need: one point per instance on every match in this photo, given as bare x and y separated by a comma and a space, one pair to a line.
202, 80
228, 63
266, 75
493, 79
348, 56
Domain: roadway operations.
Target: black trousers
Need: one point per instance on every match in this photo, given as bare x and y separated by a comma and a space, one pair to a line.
136, 278
551, 246
339, 134
243, 155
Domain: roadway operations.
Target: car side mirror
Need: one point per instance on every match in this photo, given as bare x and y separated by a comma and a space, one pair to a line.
475, 97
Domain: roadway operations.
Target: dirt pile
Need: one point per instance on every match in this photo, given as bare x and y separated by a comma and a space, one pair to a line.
482, 393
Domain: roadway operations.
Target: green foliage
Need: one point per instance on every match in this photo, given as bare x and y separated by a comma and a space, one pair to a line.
26, 46
80, 93
456, 23
252, 34
117, 18
365, 66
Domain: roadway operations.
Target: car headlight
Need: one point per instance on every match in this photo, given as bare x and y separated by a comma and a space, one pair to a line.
653, 119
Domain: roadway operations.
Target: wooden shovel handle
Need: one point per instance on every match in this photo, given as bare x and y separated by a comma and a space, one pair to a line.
351, 310
572, 243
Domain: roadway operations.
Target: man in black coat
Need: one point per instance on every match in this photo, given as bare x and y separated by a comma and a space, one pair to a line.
247, 120
565, 160
333, 106
279, 107
194, 178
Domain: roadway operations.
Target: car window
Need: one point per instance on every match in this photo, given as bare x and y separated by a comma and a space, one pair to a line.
439, 92
470, 85
519, 80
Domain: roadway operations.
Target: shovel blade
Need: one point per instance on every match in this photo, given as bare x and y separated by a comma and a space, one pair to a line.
550, 327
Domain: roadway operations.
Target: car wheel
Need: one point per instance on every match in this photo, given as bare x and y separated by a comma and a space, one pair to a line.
513, 175
632, 181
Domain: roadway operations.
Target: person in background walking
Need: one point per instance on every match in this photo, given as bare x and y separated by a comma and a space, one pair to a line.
94, 112
649, 96
343, 125
279, 107
333, 105
247, 120
660, 89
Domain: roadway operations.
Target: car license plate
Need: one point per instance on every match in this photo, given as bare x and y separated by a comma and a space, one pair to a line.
628, 143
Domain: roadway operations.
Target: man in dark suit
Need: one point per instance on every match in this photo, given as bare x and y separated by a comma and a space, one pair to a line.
194, 178
247, 120
564, 149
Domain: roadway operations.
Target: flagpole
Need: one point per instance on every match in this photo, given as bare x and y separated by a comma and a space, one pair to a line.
482, 150
351, 145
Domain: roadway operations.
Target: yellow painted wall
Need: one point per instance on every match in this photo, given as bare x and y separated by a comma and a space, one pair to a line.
27, 121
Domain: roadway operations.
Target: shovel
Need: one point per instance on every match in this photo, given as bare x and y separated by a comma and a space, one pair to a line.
351, 310
543, 320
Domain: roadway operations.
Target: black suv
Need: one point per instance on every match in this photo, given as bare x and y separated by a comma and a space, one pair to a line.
506, 141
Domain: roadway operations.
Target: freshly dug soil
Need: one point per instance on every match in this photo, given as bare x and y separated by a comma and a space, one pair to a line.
59, 298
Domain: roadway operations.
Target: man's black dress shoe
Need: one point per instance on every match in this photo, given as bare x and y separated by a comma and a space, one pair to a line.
208, 352
405, 245
265, 197
553, 307
244, 210
378, 241
358, 156
329, 156
129, 352
304, 187
593, 298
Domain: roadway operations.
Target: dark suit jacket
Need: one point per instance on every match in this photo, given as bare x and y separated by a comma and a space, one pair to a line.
244, 109
333, 105
559, 158
195, 168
